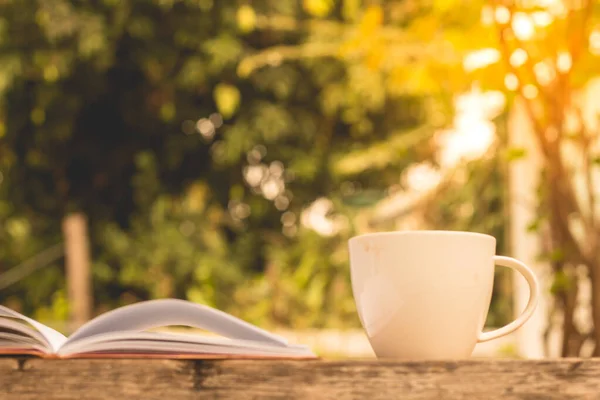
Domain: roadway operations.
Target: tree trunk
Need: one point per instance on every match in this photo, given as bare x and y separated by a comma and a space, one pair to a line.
570, 335
77, 257
595, 279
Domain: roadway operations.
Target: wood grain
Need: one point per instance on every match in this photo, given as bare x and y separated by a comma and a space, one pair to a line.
26, 379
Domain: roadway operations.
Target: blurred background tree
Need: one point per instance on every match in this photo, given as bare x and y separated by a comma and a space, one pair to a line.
549, 53
224, 152
539, 56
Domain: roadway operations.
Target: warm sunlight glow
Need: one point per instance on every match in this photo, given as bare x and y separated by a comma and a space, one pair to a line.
522, 26
254, 174
473, 132
511, 82
421, 177
595, 42
502, 15
530, 91
543, 73
518, 58
318, 218
471, 142
564, 61
480, 58
556, 7
206, 127
487, 15
272, 187
542, 18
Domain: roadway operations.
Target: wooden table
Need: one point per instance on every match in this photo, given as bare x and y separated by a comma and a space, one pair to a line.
25, 379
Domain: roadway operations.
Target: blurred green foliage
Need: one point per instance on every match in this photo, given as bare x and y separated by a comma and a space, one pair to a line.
193, 164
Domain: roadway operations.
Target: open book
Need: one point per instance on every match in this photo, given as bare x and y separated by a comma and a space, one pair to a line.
123, 333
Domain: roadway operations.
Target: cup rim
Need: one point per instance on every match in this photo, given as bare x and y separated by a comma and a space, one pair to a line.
424, 232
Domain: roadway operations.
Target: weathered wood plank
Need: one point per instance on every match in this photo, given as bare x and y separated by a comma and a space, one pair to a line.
250, 379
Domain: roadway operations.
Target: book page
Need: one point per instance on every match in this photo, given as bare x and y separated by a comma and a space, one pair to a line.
16, 327
10, 342
149, 347
51, 337
161, 341
17, 338
166, 312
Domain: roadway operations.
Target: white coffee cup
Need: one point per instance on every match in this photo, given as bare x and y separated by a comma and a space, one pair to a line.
426, 294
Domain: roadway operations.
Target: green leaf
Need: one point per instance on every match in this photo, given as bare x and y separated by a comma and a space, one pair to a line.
224, 52
534, 226
246, 18
351, 9
516, 153
167, 111
193, 74
557, 255
227, 97
562, 283
317, 8
366, 198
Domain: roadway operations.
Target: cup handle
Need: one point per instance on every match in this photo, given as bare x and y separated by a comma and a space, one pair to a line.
534, 294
